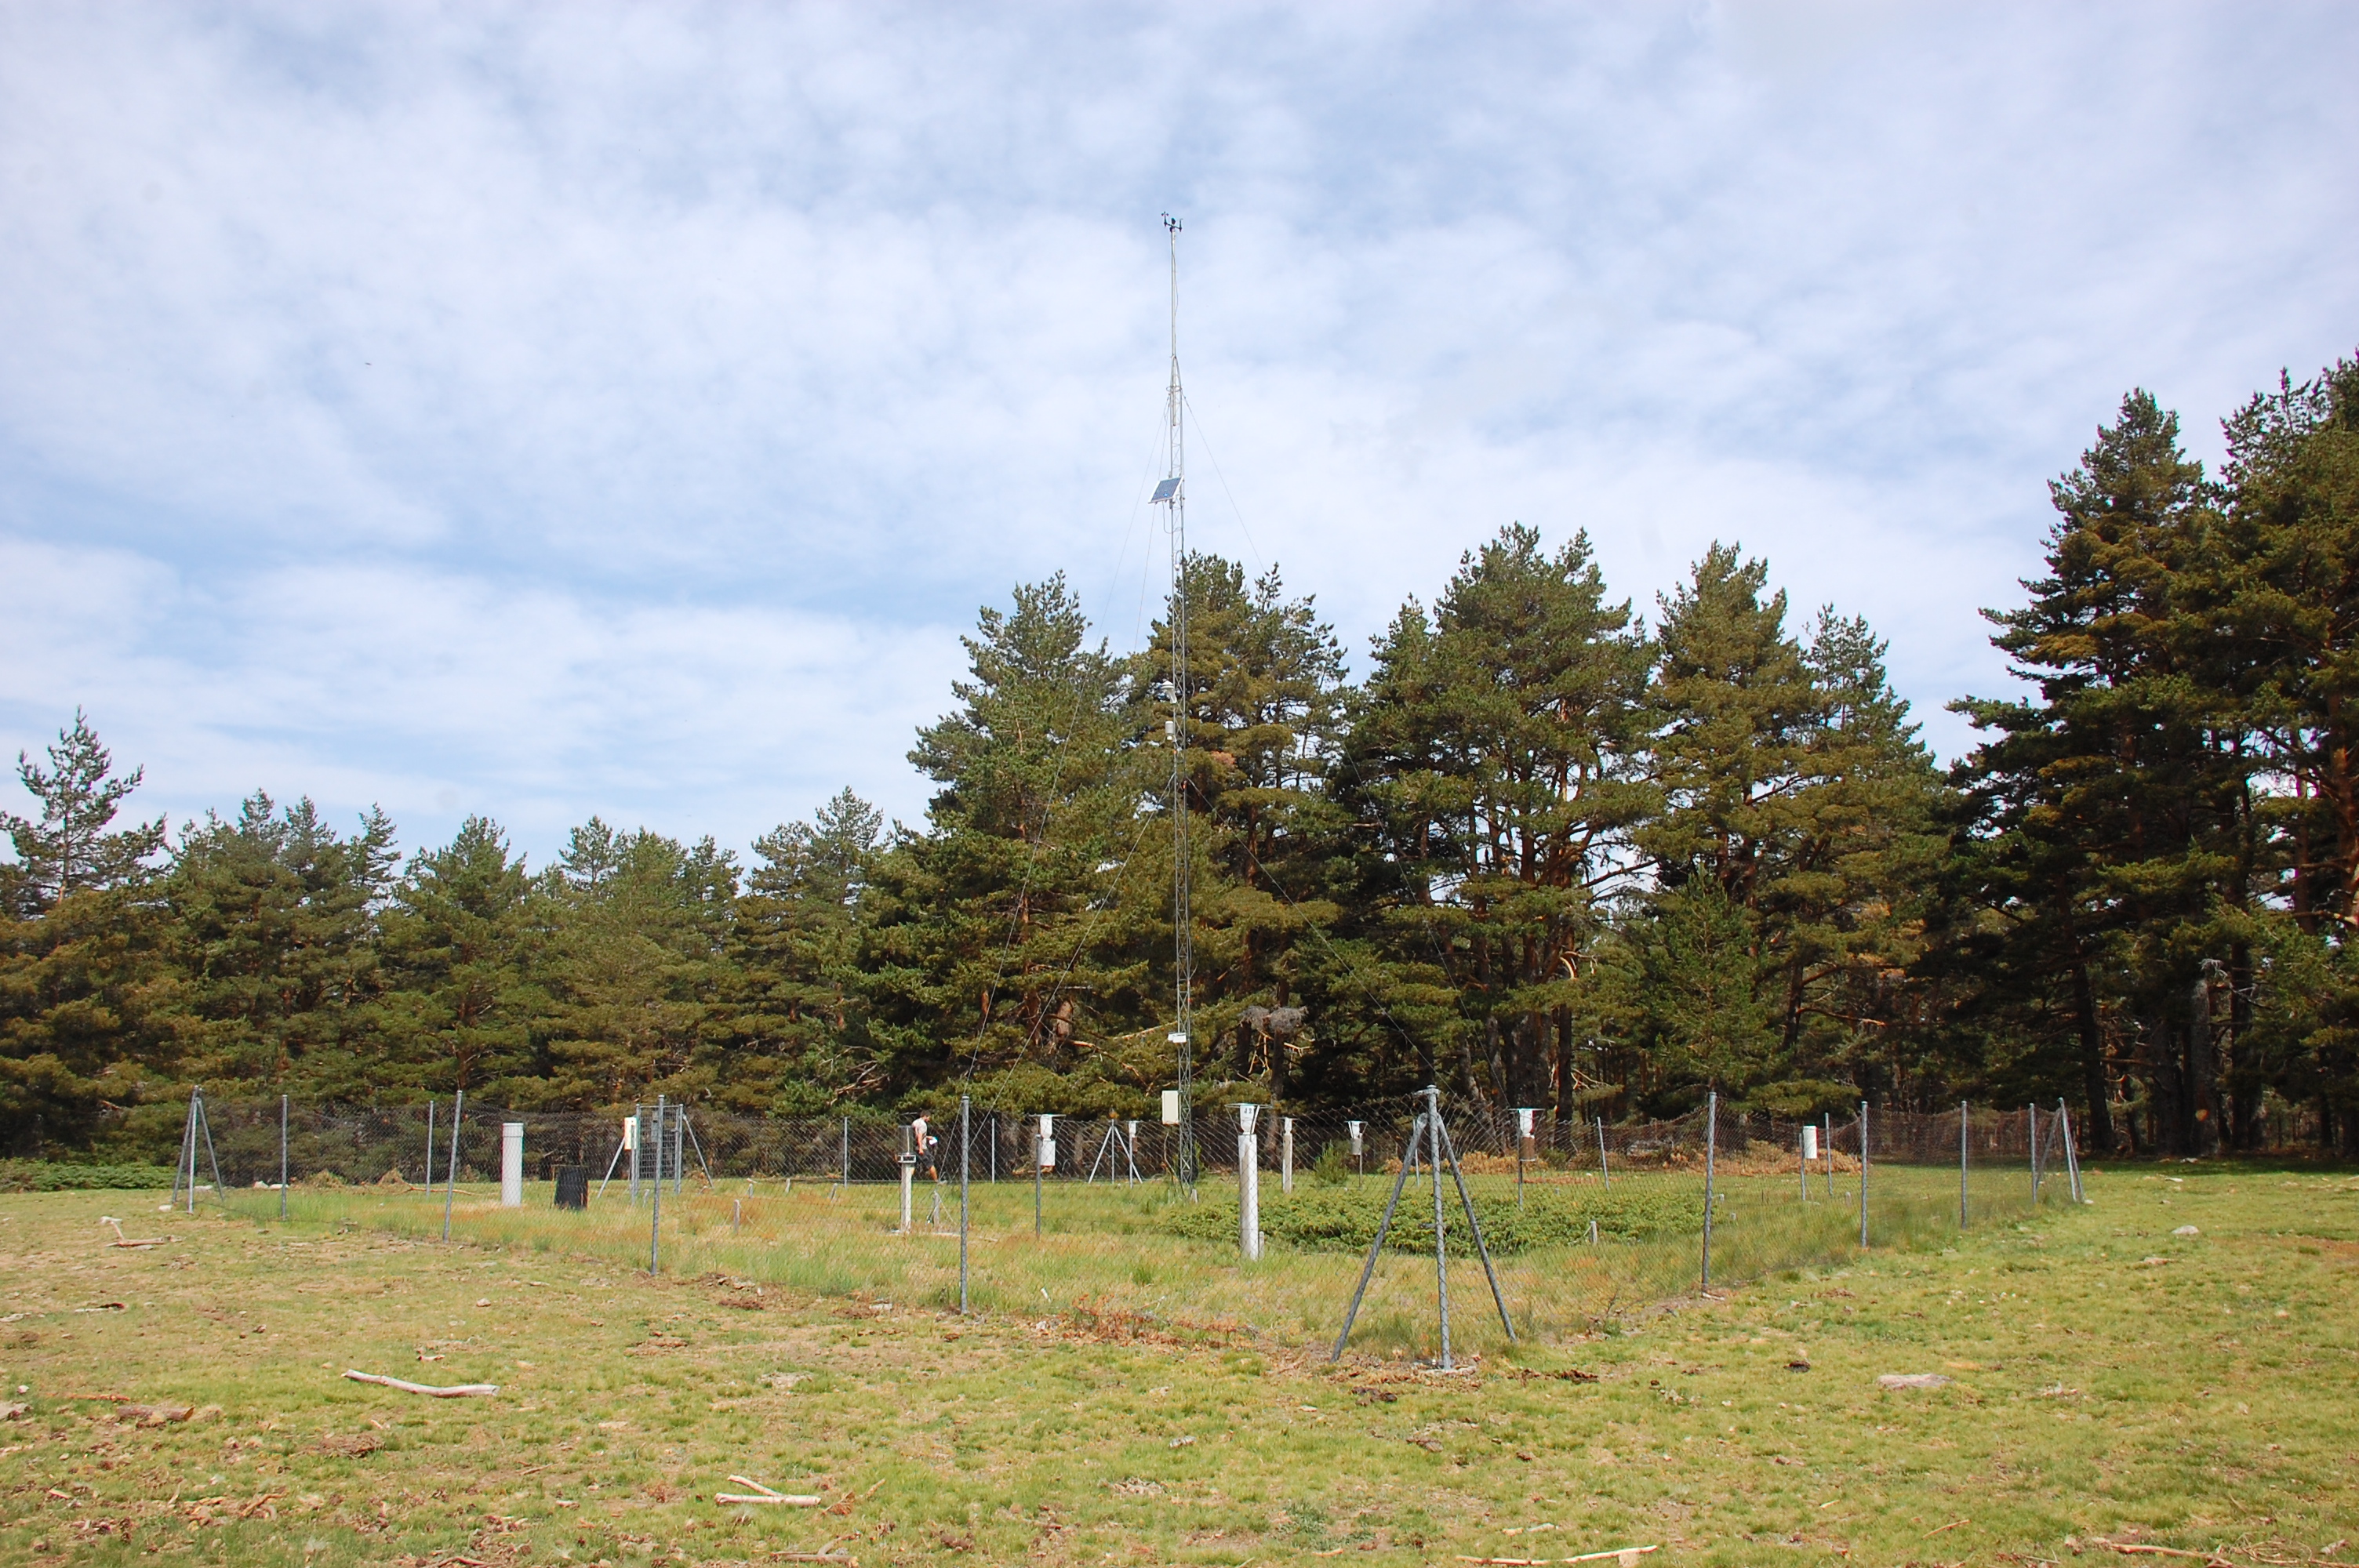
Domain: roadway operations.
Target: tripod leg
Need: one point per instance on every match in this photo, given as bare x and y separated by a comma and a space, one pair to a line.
1449, 1147
1383, 1226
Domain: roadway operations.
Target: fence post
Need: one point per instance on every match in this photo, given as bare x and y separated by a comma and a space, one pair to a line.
450, 1183
1604, 1169
1863, 1175
1962, 1165
1039, 1150
965, 1143
678, 1143
2071, 1155
1806, 1145
1827, 1141
654, 1191
1286, 1156
1248, 1184
2033, 1111
282, 1156
1440, 1251
638, 1140
846, 1182
430, 1150
1711, 1149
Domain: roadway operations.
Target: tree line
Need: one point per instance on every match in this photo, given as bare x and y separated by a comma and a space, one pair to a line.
1551, 850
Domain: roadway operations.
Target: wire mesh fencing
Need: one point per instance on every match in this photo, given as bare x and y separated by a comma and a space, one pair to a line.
1581, 1220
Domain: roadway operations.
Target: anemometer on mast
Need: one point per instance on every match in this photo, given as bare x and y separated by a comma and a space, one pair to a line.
1171, 493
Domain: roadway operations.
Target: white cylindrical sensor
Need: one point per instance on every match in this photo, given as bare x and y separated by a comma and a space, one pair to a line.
512, 1165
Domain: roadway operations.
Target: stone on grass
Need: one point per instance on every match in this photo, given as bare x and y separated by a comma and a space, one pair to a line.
2187, 1230
1912, 1380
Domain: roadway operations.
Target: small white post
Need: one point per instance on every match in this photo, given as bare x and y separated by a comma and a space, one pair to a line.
909, 1175
1810, 1152
1130, 1148
1524, 1119
512, 1165
1248, 1184
1286, 1156
1359, 1149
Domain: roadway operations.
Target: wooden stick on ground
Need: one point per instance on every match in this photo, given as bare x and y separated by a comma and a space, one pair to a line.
1627, 1554
763, 1494
457, 1392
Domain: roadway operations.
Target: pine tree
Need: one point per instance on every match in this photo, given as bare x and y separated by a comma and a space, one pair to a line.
1492, 760
802, 1041
458, 1005
77, 939
634, 960
273, 944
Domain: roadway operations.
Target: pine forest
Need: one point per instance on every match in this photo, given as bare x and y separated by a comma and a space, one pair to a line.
1542, 844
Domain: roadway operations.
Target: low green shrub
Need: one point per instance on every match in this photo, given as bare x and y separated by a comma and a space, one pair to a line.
1345, 1219
56, 1176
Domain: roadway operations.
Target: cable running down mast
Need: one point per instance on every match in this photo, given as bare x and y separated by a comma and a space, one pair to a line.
1171, 492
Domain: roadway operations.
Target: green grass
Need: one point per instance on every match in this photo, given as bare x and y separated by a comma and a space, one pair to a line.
1166, 1403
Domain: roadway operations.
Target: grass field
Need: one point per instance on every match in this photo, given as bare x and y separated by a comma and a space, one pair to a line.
1124, 1395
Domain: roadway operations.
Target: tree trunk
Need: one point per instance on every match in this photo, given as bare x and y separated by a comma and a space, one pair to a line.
2094, 1087
2203, 1067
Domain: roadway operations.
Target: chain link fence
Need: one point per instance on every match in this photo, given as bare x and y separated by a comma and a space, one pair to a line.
1585, 1221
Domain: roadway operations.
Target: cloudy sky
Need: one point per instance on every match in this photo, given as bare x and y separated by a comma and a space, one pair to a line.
548, 410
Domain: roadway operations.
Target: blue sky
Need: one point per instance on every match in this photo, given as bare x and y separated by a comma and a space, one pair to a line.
546, 410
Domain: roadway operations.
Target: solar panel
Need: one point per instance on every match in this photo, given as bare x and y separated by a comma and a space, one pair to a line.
1169, 488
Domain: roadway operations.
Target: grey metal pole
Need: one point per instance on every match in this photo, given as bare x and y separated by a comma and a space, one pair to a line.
1440, 1248
655, 1190
847, 1155
1802, 1162
2071, 1154
187, 1156
2032, 1110
1827, 1147
1037, 1151
429, 1148
1711, 1149
1962, 1165
1474, 1226
638, 1141
1863, 1175
679, 1139
205, 1125
1602, 1168
965, 1143
282, 1156
1368, 1270
450, 1183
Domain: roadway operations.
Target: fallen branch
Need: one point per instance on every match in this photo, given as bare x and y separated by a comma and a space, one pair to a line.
1952, 1524
458, 1392
1628, 1555
765, 1494
2139, 1549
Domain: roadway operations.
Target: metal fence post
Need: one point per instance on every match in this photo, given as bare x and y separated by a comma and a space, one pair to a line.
282, 1156
1039, 1143
655, 1190
965, 1143
2071, 1155
846, 1183
429, 1148
1711, 1149
1962, 1165
1440, 1251
450, 1183
2033, 1112
638, 1141
1863, 1175
1827, 1142
1604, 1169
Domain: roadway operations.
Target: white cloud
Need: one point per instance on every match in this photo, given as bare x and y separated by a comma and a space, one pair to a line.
619, 408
